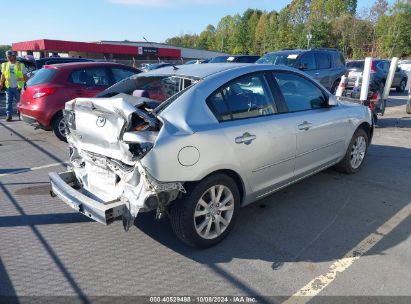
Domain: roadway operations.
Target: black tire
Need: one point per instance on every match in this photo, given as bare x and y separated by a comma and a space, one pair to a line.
401, 87
181, 213
335, 87
345, 165
56, 126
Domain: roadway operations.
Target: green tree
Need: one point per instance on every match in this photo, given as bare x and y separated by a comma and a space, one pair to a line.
3, 49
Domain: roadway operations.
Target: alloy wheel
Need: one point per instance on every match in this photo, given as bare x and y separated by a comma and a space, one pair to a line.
213, 212
358, 152
62, 127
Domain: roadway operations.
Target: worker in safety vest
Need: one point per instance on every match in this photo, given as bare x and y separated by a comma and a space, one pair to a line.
13, 77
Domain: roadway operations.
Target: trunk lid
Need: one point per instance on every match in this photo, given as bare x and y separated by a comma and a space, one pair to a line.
119, 127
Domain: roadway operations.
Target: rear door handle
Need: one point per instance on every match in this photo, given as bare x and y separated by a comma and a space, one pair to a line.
246, 138
305, 126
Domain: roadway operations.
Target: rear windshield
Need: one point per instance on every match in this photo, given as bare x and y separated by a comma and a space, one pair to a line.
355, 65
287, 59
42, 76
158, 88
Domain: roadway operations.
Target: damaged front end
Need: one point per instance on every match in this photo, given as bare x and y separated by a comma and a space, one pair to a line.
108, 137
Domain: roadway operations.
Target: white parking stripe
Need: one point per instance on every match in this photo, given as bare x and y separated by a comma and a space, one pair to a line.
316, 285
33, 169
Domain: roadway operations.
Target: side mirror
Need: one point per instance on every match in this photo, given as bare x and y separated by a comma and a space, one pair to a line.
332, 100
398, 69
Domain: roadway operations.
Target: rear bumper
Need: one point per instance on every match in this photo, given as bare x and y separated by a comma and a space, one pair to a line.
28, 119
104, 213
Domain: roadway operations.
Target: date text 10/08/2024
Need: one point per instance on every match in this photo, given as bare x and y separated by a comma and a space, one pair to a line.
203, 299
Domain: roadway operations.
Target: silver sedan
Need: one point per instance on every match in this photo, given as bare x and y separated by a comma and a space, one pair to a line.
197, 142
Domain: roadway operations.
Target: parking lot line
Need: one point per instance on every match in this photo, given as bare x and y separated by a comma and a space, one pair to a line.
33, 169
316, 285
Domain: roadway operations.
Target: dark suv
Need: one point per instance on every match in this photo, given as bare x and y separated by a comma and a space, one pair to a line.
323, 64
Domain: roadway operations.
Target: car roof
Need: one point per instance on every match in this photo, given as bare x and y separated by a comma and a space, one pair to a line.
45, 59
205, 70
81, 64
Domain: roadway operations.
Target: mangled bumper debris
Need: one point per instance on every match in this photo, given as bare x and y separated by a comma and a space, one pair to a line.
106, 179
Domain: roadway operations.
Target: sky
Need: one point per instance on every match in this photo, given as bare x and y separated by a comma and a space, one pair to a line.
95, 20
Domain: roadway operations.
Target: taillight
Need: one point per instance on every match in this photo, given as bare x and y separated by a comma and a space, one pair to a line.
43, 92
375, 96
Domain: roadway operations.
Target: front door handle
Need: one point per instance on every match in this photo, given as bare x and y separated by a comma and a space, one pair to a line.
246, 138
305, 126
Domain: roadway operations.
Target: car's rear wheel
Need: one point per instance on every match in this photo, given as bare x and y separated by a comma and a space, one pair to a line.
401, 87
355, 154
58, 126
207, 213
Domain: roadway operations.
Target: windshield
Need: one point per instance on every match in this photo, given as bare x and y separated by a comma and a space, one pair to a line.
42, 76
159, 88
219, 59
279, 59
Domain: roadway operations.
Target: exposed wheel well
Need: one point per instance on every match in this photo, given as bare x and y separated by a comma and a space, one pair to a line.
234, 175
55, 115
368, 129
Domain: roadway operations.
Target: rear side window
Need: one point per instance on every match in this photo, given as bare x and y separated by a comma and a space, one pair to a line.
299, 93
323, 61
339, 60
120, 74
90, 77
245, 97
42, 76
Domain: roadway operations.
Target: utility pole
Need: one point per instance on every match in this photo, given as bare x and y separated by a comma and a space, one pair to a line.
309, 37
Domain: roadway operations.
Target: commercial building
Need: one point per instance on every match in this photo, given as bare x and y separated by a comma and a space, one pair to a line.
110, 50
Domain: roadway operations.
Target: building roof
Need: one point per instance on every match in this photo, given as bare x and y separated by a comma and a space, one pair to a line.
88, 47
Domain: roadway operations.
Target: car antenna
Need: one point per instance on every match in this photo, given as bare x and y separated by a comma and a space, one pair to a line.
174, 67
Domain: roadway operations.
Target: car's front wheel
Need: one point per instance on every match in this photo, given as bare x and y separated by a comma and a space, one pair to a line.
355, 154
207, 213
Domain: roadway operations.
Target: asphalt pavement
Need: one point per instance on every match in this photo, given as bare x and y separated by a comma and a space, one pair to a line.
328, 235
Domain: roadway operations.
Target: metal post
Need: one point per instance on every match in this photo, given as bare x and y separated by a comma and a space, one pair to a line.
366, 79
390, 77
309, 36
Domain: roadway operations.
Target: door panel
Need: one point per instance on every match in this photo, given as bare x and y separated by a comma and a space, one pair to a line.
322, 143
269, 158
263, 143
324, 66
321, 131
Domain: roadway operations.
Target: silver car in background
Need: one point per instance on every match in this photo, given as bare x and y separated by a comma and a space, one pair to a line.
196, 142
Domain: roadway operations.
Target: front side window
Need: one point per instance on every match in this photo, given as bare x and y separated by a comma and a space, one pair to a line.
90, 77
308, 62
299, 93
245, 97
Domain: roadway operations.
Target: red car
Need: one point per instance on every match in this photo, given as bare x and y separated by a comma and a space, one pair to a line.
43, 99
